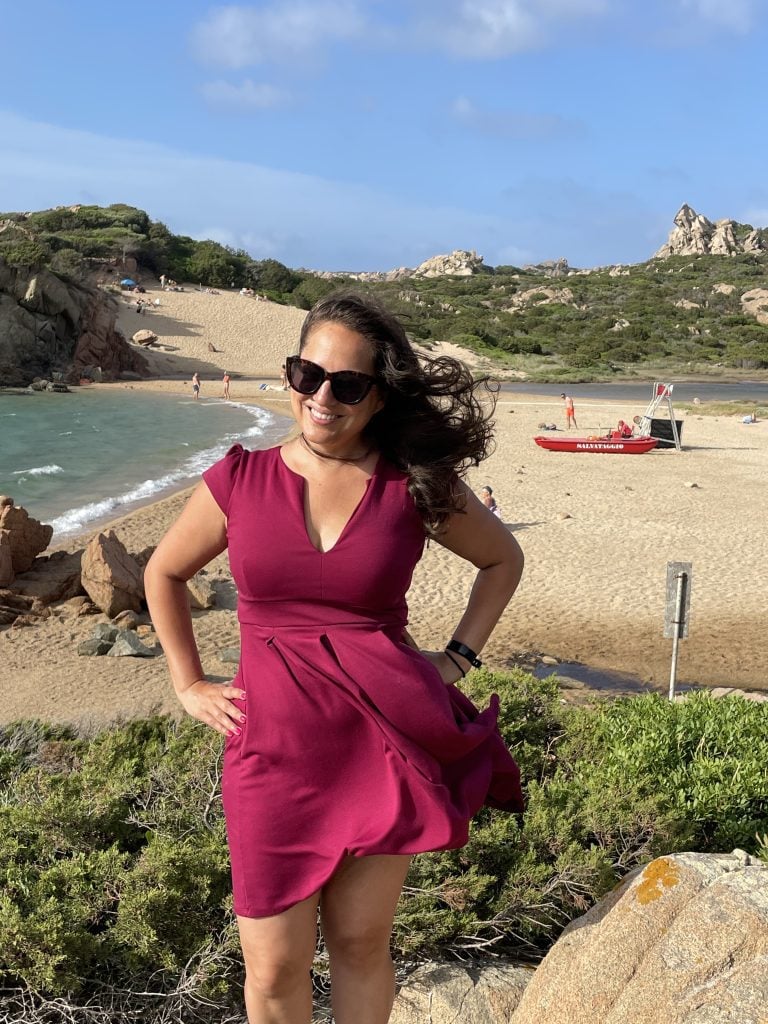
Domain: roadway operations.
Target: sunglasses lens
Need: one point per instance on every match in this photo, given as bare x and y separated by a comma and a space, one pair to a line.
350, 388
305, 377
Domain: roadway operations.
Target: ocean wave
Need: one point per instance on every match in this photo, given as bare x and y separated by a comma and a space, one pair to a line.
38, 471
79, 519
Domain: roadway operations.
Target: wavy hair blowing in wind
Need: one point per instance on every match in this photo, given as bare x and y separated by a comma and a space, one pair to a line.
434, 424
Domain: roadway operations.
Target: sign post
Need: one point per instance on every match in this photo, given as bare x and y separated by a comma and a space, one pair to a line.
678, 607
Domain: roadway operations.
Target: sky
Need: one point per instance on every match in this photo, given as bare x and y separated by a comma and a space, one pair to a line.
373, 134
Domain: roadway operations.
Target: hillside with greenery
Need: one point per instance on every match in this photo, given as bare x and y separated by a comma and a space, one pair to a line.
116, 905
681, 314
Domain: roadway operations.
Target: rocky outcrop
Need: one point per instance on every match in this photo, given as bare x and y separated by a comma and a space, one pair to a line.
695, 235
542, 296
51, 579
110, 576
448, 993
755, 302
51, 325
459, 263
22, 538
550, 268
683, 940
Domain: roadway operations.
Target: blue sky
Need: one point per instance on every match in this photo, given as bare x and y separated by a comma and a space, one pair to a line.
366, 135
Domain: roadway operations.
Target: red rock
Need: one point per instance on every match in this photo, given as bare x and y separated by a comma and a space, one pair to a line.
27, 537
110, 576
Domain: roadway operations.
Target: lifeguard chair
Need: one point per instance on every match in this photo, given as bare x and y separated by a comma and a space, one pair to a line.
649, 425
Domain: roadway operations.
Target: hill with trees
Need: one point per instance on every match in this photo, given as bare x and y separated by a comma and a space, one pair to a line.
700, 311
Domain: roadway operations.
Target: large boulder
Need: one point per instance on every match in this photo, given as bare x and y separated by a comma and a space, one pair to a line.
110, 576
448, 993
683, 940
52, 579
144, 337
22, 537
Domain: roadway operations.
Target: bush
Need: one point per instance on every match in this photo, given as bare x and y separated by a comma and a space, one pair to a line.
116, 879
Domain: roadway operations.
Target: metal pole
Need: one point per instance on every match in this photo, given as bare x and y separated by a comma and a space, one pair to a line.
681, 578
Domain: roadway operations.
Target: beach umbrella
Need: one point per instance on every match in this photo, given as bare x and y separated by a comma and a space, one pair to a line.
129, 282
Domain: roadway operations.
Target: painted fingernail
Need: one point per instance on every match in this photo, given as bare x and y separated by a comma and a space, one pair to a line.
242, 718
237, 731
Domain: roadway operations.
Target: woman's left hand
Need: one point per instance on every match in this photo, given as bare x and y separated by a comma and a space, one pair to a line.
449, 672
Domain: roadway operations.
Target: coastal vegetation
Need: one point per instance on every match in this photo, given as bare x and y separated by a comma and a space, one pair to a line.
681, 313
115, 904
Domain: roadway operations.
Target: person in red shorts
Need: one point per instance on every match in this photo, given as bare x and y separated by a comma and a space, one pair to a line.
570, 415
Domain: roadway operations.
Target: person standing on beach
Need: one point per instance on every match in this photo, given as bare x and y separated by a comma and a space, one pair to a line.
225, 380
196, 385
570, 414
347, 749
283, 378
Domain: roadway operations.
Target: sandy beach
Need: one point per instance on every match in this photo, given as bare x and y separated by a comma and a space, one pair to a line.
597, 532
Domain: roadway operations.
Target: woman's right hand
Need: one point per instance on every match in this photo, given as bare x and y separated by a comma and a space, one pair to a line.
211, 703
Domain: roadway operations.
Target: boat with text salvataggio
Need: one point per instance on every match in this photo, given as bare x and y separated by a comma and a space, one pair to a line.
598, 445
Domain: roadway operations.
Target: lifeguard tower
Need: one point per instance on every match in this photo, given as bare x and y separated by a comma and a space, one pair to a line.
651, 425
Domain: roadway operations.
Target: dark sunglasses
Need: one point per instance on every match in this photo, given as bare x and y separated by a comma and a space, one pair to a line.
347, 386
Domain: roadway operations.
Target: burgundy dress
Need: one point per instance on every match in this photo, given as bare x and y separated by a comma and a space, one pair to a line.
353, 745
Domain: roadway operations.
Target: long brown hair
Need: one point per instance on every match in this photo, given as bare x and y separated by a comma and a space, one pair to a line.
434, 425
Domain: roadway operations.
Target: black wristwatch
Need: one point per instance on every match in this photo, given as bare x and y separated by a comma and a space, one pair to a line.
466, 652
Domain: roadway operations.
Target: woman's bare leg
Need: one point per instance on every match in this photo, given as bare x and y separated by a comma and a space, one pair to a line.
278, 954
357, 910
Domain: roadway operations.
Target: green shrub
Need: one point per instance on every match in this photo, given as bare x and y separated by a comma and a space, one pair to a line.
115, 870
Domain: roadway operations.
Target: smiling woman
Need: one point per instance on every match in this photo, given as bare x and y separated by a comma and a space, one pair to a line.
348, 750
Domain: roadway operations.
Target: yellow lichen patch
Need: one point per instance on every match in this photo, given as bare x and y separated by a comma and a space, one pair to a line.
660, 874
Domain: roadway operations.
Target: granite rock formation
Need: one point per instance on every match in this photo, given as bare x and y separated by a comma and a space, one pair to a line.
683, 940
459, 263
695, 235
22, 538
447, 993
51, 325
111, 576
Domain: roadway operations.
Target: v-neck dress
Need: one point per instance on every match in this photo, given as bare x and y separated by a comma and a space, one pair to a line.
352, 745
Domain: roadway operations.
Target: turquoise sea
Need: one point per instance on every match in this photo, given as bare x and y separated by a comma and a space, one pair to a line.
74, 460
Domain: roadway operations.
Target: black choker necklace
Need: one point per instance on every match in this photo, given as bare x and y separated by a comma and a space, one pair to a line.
334, 458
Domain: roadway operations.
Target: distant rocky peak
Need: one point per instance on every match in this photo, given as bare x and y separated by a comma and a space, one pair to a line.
459, 263
696, 235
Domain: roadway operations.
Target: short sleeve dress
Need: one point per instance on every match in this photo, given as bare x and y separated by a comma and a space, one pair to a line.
353, 745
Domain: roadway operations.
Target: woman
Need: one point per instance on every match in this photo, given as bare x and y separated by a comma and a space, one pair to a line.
347, 750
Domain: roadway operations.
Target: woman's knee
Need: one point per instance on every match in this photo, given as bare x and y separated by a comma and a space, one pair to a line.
275, 978
358, 947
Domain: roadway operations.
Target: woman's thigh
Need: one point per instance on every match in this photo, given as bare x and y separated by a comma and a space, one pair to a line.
283, 941
358, 904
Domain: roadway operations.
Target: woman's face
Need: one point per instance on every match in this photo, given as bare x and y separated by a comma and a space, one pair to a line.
324, 421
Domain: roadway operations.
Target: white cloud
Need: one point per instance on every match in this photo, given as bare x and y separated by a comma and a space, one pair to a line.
484, 29
300, 219
736, 15
247, 95
239, 36
511, 124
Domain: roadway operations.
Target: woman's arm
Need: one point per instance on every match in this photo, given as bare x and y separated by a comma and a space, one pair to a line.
197, 536
485, 541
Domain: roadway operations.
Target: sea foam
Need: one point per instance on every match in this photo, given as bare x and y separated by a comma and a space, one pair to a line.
79, 519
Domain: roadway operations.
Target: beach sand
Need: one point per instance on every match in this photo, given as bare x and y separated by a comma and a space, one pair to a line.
597, 532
